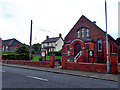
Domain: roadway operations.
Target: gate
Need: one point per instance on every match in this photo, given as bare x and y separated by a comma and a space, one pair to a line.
58, 63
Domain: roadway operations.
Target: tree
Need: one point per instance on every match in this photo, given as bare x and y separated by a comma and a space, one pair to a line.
22, 49
37, 47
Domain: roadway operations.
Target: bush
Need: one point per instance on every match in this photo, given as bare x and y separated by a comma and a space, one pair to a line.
22, 56
57, 53
22, 49
33, 51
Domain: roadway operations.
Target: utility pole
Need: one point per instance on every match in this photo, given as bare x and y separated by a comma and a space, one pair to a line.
30, 41
108, 67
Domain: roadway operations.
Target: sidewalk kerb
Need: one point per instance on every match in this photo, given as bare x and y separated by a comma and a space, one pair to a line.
55, 71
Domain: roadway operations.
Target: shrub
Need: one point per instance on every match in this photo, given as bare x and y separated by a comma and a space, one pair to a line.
23, 56
57, 53
22, 49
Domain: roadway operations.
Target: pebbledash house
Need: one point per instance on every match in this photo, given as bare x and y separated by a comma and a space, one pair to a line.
86, 42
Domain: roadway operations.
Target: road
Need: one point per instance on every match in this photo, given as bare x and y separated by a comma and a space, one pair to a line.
25, 78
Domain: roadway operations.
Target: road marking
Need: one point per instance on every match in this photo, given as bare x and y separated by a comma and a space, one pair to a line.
2, 71
38, 78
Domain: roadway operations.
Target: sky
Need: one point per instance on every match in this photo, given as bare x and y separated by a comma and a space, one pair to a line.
118, 19
51, 17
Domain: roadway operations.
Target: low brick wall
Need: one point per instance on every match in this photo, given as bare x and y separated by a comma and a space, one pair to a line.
86, 66
49, 63
33, 63
113, 63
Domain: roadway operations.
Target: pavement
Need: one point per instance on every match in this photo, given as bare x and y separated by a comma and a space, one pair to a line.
95, 75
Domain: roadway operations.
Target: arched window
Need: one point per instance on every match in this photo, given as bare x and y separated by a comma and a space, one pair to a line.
68, 48
99, 45
83, 32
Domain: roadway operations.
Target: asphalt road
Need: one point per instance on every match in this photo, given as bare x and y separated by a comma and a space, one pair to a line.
25, 78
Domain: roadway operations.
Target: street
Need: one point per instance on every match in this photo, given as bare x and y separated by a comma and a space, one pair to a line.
25, 78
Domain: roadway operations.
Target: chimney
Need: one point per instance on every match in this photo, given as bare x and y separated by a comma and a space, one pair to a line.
94, 22
47, 37
60, 35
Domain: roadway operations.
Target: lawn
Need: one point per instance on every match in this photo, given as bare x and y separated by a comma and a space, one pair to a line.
36, 58
8, 53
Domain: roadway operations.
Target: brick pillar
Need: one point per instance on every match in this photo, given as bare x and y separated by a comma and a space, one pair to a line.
52, 60
113, 63
64, 60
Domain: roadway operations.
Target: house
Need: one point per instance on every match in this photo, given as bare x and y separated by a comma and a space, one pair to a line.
86, 42
52, 44
10, 44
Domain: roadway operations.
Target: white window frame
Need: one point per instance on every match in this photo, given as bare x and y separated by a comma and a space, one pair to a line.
78, 33
3, 48
99, 41
83, 32
6, 48
87, 32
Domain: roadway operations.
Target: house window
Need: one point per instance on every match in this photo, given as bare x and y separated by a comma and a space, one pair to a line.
87, 47
6, 48
78, 33
94, 47
99, 45
114, 49
52, 49
87, 33
0, 49
3, 48
68, 48
111, 49
83, 32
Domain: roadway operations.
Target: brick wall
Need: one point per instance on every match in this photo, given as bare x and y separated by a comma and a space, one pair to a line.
86, 66
113, 63
49, 63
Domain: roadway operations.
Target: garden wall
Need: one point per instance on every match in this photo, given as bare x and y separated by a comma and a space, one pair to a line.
49, 63
86, 66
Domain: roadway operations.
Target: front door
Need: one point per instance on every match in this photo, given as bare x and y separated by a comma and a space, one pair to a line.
77, 49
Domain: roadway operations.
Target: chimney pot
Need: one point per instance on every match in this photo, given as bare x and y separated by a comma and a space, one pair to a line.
47, 37
60, 35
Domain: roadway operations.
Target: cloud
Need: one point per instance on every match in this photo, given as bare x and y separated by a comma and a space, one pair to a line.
57, 16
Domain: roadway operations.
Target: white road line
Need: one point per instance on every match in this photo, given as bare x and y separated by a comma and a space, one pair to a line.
38, 78
2, 71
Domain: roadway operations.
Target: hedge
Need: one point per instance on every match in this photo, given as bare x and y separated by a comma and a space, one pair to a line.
57, 53
22, 56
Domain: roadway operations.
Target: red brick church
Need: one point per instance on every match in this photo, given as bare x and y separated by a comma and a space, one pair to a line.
86, 42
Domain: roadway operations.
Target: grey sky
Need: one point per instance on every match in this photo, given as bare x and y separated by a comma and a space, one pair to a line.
119, 19
56, 16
